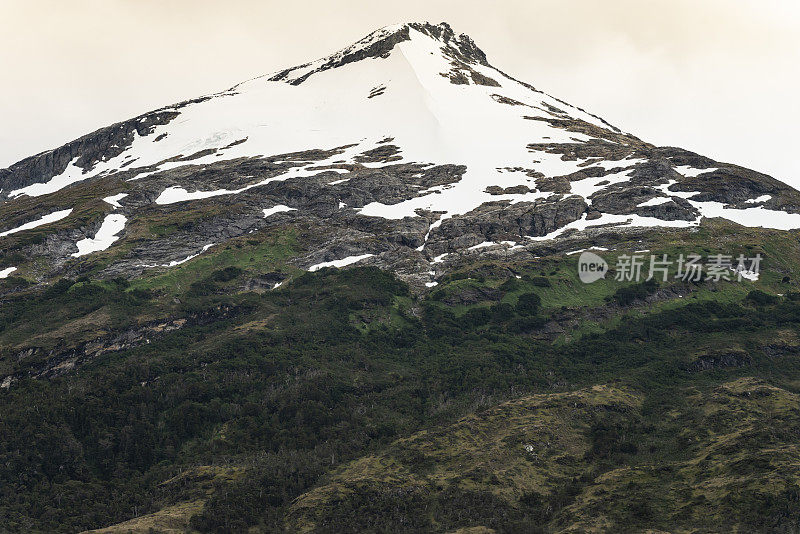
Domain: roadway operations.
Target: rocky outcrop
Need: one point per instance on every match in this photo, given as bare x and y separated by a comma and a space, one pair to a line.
499, 221
84, 152
36, 362
380, 43
719, 361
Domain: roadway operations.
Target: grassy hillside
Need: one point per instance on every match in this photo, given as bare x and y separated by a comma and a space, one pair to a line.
592, 460
510, 398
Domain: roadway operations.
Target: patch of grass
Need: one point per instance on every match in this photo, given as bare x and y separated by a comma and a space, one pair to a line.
257, 253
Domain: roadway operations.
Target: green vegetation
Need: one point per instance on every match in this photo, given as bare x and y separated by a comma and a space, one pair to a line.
256, 255
513, 398
581, 462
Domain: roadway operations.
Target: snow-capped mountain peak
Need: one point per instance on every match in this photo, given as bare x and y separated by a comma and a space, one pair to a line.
411, 126
380, 44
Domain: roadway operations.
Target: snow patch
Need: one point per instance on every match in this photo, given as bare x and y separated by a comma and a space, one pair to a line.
589, 186
173, 263
603, 249
610, 164
616, 220
486, 244
483, 245
340, 263
657, 201
750, 217
664, 188
105, 237
114, 199
748, 275
71, 175
759, 200
280, 208
174, 194
187, 258
7, 271
47, 219
690, 172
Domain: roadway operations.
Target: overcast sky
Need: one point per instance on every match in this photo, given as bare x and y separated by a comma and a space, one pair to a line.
719, 77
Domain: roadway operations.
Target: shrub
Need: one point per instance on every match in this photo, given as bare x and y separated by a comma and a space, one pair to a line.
477, 317
521, 325
225, 275
541, 281
760, 298
528, 304
512, 284
628, 294
501, 312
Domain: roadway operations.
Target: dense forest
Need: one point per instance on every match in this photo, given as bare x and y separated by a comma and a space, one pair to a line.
262, 397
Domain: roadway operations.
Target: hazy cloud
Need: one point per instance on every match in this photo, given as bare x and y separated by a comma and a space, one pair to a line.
718, 77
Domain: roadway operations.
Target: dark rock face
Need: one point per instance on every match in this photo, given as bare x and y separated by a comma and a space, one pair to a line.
515, 190
499, 221
626, 200
720, 361
555, 184
266, 282
779, 350
676, 209
90, 149
679, 157
355, 52
731, 185
58, 361
461, 48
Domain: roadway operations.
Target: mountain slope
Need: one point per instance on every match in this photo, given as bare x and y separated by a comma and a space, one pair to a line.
240, 410
534, 465
399, 150
182, 349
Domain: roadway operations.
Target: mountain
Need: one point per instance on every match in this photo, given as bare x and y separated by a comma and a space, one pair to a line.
406, 150
348, 297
